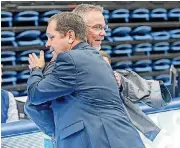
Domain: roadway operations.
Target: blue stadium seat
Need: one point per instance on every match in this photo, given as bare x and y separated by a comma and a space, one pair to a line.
24, 74
148, 77
15, 93
121, 34
143, 47
162, 35
43, 37
6, 17
164, 77
106, 15
175, 46
140, 13
120, 13
8, 57
123, 49
8, 38
107, 49
9, 77
45, 17
29, 37
142, 33
123, 65
161, 64
27, 16
48, 54
174, 13
23, 56
161, 46
142, 66
109, 32
175, 34
176, 61
108, 35
159, 13
23, 93
108, 38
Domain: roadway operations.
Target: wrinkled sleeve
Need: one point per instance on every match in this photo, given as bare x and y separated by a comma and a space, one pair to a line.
42, 116
137, 89
133, 86
159, 95
61, 82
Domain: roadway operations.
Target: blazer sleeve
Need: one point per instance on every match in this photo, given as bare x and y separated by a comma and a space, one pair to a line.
42, 116
61, 82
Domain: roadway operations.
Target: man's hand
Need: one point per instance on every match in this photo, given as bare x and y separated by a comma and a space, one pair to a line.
118, 78
34, 61
54, 54
54, 57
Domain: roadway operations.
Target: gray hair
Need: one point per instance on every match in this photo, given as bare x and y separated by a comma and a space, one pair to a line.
83, 9
70, 21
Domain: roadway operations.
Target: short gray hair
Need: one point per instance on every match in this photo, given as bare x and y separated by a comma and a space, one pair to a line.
83, 9
70, 21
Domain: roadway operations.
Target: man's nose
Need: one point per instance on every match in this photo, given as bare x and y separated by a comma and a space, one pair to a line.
47, 44
103, 32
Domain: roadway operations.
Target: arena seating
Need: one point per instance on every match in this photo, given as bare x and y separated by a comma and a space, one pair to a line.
142, 36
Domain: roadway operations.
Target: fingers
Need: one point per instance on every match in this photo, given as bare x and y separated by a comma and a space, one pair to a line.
34, 61
30, 67
35, 56
30, 59
118, 78
41, 54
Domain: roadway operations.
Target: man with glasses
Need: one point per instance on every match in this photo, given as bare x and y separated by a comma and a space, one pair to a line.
94, 20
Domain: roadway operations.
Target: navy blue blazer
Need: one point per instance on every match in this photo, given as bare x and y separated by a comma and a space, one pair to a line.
85, 103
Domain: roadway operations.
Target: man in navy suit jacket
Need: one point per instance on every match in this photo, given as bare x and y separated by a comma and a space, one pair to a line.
83, 93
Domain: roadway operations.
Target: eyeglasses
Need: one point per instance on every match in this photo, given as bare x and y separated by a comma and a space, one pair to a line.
99, 27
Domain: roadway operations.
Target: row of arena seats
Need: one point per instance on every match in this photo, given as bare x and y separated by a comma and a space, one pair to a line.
140, 33
125, 14
142, 13
13, 58
147, 65
139, 66
128, 49
21, 78
35, 37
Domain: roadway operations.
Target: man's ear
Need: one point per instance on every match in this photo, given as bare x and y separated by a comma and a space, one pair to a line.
72, 36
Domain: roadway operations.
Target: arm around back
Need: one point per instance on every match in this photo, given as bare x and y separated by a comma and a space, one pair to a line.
61, 82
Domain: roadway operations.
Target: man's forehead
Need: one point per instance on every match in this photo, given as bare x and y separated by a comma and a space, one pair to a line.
51, 26
94, 17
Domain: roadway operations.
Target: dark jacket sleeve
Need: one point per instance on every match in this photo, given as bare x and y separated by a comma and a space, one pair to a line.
42, 116
61, 82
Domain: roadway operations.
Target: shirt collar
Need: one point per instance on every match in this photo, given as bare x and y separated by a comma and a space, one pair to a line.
80, 45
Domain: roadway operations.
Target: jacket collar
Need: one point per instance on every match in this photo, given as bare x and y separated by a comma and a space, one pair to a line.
80, 45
